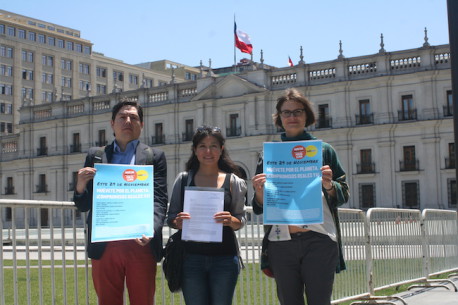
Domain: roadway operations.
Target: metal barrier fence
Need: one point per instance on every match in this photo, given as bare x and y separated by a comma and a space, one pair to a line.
382, 248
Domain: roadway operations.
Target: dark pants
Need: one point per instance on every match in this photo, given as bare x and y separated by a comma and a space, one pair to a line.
307, 261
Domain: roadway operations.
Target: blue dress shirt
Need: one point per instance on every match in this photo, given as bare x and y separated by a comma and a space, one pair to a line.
127, 156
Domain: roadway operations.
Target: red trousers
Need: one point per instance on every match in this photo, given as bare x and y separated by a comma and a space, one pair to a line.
125, 261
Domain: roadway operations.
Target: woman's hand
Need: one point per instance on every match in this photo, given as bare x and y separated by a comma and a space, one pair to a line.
328, 184
84, 176
227, 219
178, 221
258, 185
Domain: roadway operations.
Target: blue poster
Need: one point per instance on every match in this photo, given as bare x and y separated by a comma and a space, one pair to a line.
123, 202
292, 192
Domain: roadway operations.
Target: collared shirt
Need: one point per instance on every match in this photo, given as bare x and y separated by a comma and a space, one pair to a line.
127, 156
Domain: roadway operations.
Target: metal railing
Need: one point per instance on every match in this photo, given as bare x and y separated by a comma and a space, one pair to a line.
382, 247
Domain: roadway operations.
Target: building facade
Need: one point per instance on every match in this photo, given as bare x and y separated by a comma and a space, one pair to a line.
389, 116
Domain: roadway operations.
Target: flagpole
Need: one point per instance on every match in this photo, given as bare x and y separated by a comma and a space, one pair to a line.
235, 60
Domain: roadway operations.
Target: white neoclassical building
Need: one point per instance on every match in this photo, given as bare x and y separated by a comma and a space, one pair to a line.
388, 115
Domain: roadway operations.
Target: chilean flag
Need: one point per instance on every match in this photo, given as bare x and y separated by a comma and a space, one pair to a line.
242, 41
290, 62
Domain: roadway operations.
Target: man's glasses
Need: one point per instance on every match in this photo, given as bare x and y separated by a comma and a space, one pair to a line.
295, 113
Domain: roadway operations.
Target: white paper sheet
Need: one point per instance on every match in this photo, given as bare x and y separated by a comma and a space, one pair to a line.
202, 203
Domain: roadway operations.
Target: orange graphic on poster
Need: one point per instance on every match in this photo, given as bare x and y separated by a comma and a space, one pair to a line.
299, 152
129, 175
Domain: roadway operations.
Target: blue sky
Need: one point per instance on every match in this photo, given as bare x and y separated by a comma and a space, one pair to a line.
187, 31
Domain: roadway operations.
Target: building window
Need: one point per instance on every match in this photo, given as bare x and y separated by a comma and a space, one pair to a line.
6, 128
410, 195
60, 43
87, 50
367, 196
324, 121
32, 36
41, 38
9, 189
42, 149
47, 96
84, 68
51, 41
118, 76
102, 139
76, 146
78, 48
410, 163
11, 31
6, 89
47, 60
6, 52
6, 108
148, 82
133, 79
27, 93
85, 85
451, 185
234, 128
101, 72
69, 45
450, 161
47, 78
159, 137
21, 34
189, 130
27, 56
27, 74
448, 108
66, 64
365, 116
66, 82
6, 70
408, 111
42, 187
366, 166
2, 29
101, 89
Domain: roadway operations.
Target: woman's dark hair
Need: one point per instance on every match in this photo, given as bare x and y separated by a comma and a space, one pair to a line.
294, 95
224, 163
121, 104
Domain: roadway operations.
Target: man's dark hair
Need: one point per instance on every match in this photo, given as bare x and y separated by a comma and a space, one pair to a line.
121, 104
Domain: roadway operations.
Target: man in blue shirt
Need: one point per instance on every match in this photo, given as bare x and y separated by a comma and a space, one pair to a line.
130, 261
